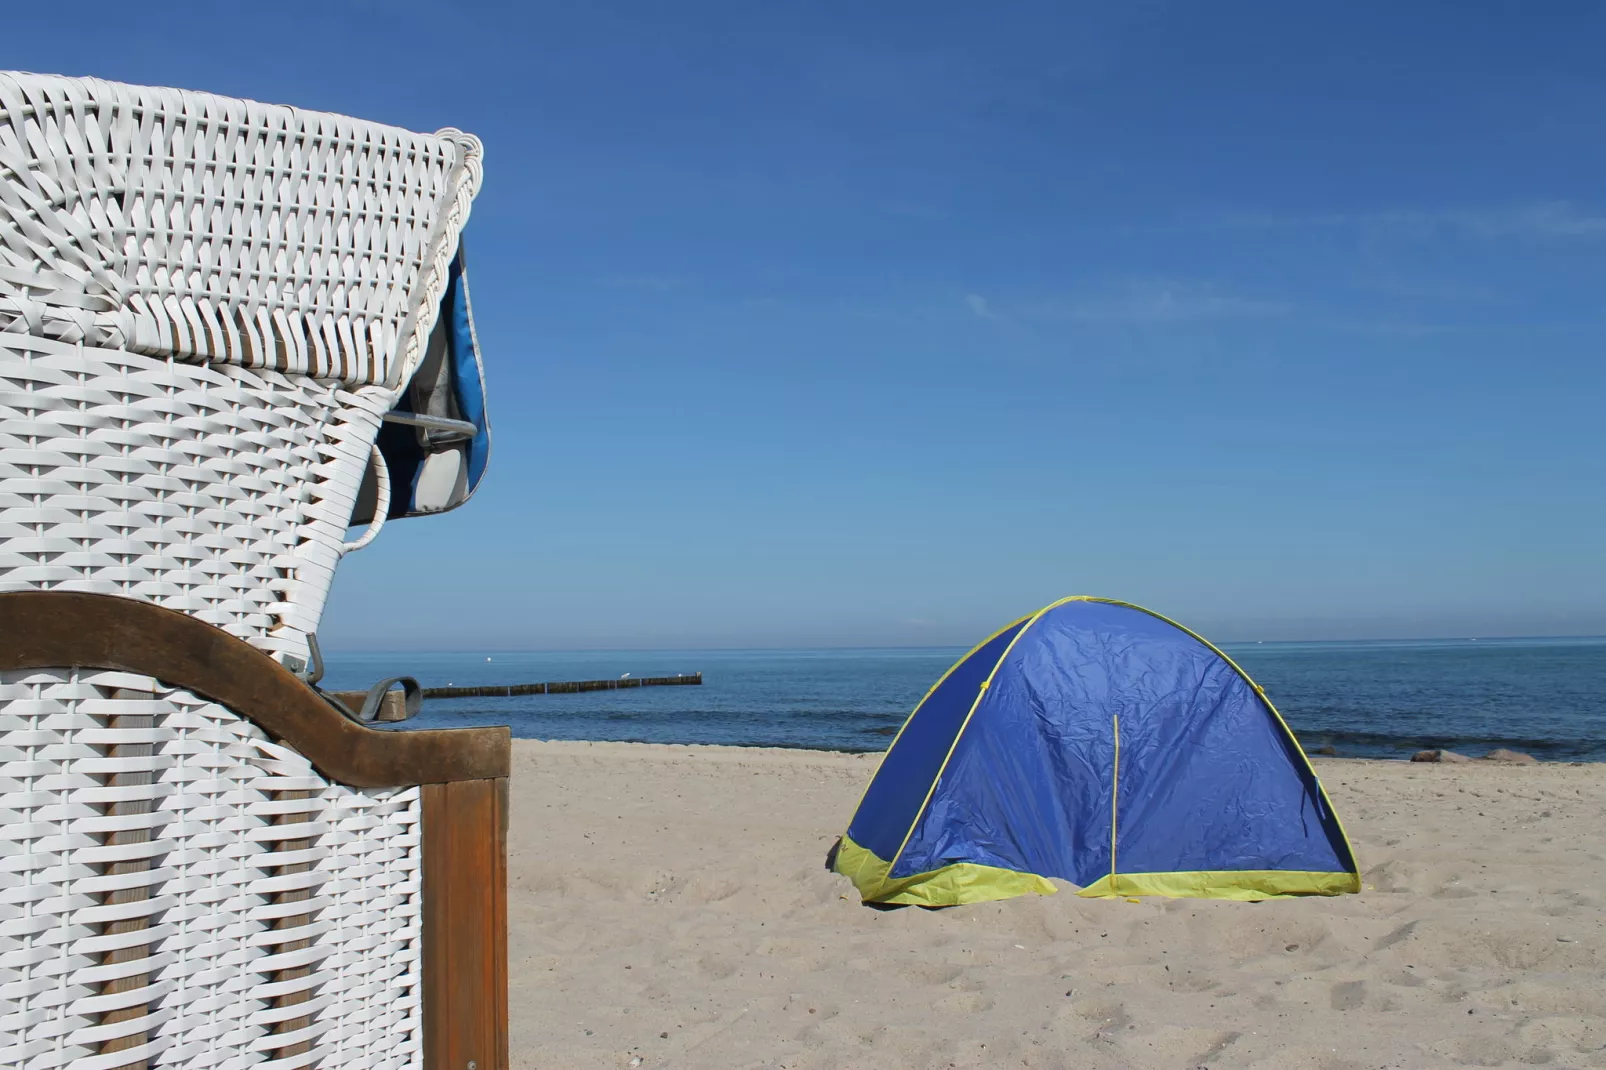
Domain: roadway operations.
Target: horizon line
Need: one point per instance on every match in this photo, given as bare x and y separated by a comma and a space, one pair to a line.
931, 646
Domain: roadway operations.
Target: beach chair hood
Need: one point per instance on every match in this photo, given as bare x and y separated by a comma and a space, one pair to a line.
436, 442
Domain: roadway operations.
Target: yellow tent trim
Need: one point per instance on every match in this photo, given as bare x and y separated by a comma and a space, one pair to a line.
981, 693
968, 882
1243, 884
963, 882
932, 690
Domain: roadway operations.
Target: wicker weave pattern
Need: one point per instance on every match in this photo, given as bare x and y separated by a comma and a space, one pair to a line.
215, 490
184, 224
206, 307
133, 925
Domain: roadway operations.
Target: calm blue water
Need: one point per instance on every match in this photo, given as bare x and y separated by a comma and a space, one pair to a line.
1385, 699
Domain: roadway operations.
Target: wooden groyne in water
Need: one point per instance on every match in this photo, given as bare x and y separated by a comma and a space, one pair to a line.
561, 687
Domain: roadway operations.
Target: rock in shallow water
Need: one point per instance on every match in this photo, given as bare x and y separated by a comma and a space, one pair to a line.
1448, 756
1515, 757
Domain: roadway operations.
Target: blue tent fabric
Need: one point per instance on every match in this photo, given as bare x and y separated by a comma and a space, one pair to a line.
893, 800
1106, 746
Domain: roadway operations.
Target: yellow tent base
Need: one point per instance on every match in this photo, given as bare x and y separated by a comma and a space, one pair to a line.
1242, 884
950, 886
967, 882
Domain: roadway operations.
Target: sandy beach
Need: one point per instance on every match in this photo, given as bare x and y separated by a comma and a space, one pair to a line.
670, 905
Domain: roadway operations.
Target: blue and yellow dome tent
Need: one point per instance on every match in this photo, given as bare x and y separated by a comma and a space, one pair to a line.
1103, 744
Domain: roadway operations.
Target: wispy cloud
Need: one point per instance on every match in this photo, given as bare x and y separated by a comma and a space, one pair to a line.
647, 283
1382, 278
978, 304
1553, 219
1383, 328
1538, 220
1158, 301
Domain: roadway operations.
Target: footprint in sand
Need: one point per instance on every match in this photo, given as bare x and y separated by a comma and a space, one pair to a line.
799, 956
933, 973
713, 890
1393, 876
1575, 1034
1218, 1044
1107, 1015
1190, 981
1397, 936
1307, 1059
1479, 1051
1571, 903
1518, 950
1409, 978
1544, 999
964, 1003
1347, 995
715, 968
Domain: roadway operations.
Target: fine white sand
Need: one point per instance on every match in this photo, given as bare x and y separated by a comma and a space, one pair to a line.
670, 904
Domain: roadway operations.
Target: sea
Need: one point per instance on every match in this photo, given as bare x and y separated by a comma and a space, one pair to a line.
1546, 697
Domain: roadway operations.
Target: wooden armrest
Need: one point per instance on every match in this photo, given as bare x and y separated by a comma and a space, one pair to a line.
42, 629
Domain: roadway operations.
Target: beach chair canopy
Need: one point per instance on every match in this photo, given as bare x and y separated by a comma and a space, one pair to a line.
1102, 744
437, 440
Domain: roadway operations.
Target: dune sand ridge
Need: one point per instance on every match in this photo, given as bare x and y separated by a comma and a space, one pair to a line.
669, 907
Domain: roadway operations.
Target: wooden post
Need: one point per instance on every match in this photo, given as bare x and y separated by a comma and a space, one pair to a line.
465, 925
554, 687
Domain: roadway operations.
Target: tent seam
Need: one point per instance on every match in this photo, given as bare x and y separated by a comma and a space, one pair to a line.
907, 721
1115, 793
981, 693
1260, 692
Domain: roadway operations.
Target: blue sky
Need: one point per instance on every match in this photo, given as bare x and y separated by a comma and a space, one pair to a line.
836, 324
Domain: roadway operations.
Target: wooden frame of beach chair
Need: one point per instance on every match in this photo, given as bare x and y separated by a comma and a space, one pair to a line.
311, 816
207, 307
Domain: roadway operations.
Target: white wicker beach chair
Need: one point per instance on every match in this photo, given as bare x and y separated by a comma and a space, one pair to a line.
208, 308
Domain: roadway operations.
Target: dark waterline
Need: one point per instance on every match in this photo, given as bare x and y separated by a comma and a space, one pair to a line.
1363, 699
